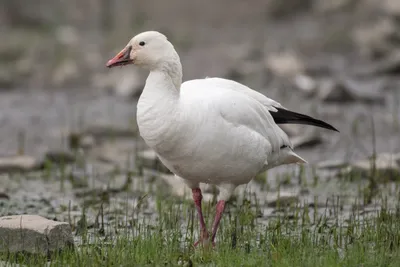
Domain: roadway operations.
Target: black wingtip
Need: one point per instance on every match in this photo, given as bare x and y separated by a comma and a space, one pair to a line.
284, 116
325, 125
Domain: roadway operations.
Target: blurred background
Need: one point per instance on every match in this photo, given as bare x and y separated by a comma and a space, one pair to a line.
336, 60
64, 44
315, 50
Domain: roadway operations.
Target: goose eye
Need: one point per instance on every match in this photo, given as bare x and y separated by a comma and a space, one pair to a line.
142, 43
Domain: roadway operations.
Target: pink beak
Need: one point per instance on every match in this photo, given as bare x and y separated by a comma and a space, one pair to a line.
121, 59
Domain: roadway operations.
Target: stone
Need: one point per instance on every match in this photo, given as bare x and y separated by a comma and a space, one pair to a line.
305, 84
34, 234
18, 163
387, 166
368, 91
333, 91
285, 64
350, 90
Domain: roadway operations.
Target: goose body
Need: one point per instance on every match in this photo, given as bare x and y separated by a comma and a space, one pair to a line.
208, 125
210, 130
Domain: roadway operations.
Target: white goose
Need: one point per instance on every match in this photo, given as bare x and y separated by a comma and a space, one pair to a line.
209, 130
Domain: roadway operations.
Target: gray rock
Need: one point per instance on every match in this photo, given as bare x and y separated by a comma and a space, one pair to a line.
369, 91
18, 163
305, 84
349, 90
333, 91
386, 164
33, 234
285, 64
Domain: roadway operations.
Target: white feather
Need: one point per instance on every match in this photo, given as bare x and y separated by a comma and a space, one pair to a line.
209, 130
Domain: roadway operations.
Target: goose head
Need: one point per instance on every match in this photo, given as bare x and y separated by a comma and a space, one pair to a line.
148, 50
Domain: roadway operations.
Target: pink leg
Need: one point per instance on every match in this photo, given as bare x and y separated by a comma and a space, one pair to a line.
219, 211
197, 197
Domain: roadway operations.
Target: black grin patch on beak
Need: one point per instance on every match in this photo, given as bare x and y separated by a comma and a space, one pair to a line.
126, 55
123, 59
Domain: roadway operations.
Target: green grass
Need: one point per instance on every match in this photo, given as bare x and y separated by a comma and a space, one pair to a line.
297, 234
299, 241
